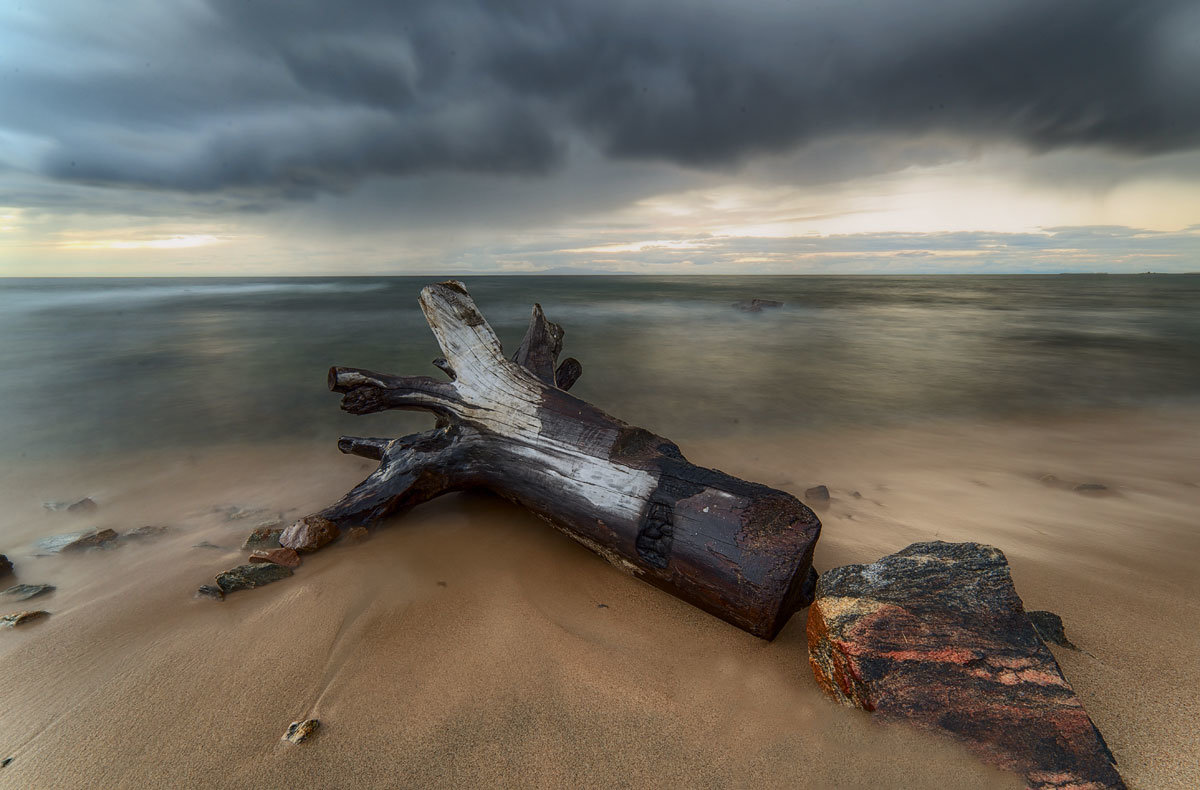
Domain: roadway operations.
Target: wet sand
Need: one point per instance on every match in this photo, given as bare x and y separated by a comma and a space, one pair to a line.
467, 644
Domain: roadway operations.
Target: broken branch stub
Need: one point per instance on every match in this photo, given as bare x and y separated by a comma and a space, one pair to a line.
739, 550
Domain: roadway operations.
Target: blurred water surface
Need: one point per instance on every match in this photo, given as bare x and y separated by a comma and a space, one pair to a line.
107, 365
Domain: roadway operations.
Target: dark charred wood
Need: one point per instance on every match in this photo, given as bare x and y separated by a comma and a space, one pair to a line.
739, 550
568, 373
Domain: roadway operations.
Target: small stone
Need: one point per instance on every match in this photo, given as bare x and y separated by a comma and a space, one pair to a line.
204, 544
245, 577
301, 731
1091, 488
601, 606
270, 523
262, 538
1050, 480
85, 505
1050, 628
284, 557
210, 591
441, 584
23, 592
21, 618
856, 495
6, 567
309, 534
357, 534
5, 762
817, 495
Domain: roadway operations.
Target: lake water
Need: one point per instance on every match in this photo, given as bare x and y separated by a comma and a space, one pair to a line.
100, 365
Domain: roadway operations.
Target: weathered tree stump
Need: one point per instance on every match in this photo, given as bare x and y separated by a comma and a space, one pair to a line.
739, 550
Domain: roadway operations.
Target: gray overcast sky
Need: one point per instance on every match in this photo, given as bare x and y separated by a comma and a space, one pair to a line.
304, 137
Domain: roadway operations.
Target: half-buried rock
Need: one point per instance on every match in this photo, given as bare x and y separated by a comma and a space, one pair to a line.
23, 592
309, 534
936, 635
245, 577
21, 618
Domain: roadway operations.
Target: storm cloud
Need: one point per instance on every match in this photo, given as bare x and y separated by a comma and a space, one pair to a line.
292, 99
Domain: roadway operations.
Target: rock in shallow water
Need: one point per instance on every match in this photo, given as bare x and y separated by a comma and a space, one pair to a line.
85, 505
284, 557
149, 531
309, 534
21, 618
300, 731
817, 495
936, 635
6, 567
23, 592
77, 541
245, 577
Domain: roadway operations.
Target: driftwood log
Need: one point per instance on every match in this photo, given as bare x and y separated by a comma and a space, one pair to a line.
739, 550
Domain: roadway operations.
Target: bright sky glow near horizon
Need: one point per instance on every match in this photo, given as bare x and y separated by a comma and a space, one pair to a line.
216, 137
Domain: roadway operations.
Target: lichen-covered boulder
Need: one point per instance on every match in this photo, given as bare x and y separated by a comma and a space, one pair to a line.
936, 636
309, 534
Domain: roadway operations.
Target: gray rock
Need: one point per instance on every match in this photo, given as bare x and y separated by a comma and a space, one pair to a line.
204, 544
250, 575
1091, 488
23, 592
5, 762
6, 567
85, 505
149, 531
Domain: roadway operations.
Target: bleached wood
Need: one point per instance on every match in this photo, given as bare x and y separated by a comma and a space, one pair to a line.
739, 550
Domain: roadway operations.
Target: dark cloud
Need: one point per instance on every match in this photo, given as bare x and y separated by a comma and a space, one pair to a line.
288, 99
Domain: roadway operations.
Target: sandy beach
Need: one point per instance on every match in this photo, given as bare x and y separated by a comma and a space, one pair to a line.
466, 644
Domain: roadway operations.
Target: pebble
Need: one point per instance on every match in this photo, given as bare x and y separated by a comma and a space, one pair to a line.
301, 731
